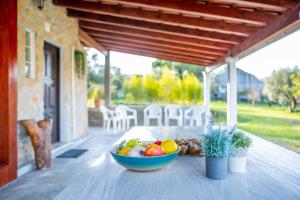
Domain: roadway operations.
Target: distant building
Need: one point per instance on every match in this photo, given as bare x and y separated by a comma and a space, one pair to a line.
246, 82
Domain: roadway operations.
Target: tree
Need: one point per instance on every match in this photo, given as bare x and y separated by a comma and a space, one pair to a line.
253, 96
280, 87
180, 68
117, 81
296, 84
151, 87
192, 88
169, 86
134, 87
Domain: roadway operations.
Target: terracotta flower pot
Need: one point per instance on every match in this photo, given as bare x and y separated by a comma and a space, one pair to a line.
97, 103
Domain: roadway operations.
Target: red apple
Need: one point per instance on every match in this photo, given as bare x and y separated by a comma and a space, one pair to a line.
158, 142
154, 150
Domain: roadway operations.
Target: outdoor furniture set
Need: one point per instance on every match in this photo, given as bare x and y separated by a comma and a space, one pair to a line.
122, 116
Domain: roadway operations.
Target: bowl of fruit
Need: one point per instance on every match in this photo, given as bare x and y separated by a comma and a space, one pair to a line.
145, 155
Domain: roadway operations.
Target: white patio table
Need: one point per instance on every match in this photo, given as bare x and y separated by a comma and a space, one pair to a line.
272, 173
185, 177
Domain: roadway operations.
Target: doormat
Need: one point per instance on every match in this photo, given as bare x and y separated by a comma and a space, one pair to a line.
72, 153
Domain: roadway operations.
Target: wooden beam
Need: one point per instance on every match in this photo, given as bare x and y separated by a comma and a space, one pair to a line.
88, 40
159, 43
189, 7
160, 28
156, 55
284, 21
159, 17
8, 88
267, 5
157, 48
271, 5
151, 34
179, 56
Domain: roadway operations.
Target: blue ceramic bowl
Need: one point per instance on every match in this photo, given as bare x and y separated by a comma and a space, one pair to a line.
143, 163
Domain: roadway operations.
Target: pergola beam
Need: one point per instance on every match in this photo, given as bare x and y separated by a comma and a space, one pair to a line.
197, 9
157, 55
151, 34
159, 28
159, 43
159, 17
161, 52
271, 5
88, 40
290, 17
156, 48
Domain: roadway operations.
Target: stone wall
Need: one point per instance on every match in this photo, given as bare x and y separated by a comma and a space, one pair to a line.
63, 34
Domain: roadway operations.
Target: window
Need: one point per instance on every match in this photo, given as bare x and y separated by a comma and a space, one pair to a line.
29, 54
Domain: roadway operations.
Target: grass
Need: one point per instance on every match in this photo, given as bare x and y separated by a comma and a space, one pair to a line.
273, 123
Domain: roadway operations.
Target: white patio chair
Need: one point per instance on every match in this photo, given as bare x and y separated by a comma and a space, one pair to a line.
124, 115
108, 118
173, 112
193, 116
153, 111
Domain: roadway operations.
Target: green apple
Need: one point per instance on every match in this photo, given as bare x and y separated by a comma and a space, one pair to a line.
133, 143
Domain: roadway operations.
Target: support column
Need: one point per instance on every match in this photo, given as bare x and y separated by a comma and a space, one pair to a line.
107, 94
231, 92
206, 89
8, 88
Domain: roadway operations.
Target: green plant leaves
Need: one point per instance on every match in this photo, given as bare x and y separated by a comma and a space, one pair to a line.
240, 140
217, 142
80, 67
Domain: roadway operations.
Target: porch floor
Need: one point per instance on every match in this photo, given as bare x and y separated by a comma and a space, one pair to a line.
272, 173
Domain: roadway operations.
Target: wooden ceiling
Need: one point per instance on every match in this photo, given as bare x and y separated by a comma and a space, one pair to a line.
201, 32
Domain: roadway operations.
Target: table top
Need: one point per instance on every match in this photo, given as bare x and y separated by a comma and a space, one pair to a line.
272, 173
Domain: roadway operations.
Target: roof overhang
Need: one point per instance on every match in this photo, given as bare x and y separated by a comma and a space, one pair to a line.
202, 32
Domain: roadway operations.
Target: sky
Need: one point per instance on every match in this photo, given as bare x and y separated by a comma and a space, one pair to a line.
280, 54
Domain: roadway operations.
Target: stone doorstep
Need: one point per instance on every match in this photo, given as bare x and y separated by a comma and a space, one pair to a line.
57, 149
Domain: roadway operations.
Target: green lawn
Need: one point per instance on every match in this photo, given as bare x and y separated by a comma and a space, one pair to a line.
273, 123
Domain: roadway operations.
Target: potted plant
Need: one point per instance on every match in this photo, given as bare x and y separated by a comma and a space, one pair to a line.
240, 144
97, 99
217, 148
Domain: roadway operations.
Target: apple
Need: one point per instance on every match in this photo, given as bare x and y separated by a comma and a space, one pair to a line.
154, 150
133, 143
158, 142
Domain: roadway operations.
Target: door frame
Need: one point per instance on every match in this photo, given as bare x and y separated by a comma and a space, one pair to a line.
8, 88
58, 80
63, 105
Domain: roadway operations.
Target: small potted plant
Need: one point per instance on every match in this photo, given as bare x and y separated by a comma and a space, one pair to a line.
237, 160
97, 99
217, 148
